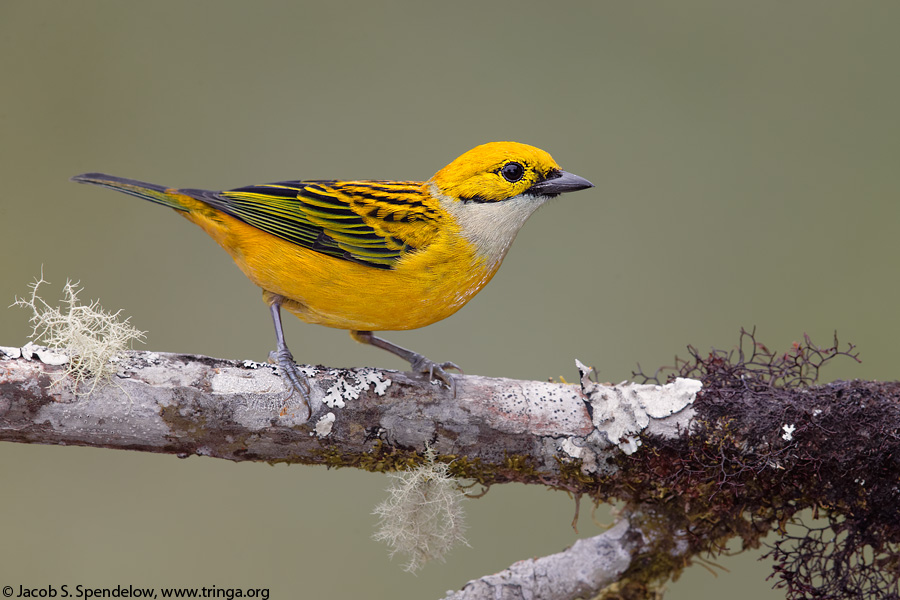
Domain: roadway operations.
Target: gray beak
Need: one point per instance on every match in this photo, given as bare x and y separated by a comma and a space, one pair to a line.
558, 183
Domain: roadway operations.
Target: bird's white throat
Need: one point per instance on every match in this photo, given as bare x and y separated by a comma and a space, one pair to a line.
492, 226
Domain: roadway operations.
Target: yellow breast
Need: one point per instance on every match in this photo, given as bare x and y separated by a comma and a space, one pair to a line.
424, 286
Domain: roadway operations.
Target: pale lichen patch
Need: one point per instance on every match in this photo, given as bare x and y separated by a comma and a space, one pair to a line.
351, 384
30, 351
325, 424
239, 381
788, 434
623, 412
380, 385
10, 352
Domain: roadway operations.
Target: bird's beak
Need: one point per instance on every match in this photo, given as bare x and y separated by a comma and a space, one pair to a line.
558, 183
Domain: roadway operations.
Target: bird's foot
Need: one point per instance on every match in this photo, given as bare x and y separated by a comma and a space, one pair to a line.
435, 371
417, 362
295, 380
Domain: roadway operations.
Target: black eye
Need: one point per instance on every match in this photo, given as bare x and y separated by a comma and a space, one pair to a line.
512, 172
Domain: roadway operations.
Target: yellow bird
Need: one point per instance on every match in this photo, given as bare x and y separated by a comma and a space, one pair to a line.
372, 255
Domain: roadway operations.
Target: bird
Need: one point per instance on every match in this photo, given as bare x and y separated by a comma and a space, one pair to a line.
372, 255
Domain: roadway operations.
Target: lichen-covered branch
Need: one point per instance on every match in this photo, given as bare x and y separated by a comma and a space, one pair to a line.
694, 465
580, 571
493, 430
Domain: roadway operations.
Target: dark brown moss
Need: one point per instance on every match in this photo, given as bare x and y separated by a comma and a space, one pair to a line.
739, 475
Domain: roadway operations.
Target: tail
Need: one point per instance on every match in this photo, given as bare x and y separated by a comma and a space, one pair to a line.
148, 191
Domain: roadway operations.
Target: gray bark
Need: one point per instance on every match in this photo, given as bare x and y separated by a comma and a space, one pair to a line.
494, 430
580, 571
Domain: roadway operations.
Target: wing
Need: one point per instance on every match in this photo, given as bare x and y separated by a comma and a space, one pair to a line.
373, 223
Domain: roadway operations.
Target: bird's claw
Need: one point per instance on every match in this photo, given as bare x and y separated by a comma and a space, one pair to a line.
292, 376
436, 371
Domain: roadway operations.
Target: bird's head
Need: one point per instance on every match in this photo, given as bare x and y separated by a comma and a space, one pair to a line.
500, 171
491, 190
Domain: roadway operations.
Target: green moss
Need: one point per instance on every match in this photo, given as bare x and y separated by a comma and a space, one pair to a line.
193, 425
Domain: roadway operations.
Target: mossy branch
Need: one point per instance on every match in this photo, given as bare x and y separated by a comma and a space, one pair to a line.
492, 431
742, 458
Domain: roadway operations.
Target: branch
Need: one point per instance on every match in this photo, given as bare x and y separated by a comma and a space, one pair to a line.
494, 430
579, 571
741, 458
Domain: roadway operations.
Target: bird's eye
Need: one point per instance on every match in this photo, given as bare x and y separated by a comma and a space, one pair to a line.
512, 172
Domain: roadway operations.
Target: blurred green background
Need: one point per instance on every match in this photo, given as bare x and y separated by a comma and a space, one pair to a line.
745, 157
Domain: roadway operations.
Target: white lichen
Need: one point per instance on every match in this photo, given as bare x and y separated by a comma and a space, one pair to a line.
788, 430
9, 352
423, 518
380, 385
89, 335
324, 425
344, 389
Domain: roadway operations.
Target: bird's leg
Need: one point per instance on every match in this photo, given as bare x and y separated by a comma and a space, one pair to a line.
282, 357
417, 362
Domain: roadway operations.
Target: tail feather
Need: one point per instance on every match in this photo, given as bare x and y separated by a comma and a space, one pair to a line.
148, 191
